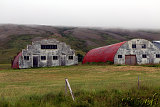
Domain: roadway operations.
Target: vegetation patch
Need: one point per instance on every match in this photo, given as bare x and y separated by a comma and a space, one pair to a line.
151, 65
14, 46
134, 97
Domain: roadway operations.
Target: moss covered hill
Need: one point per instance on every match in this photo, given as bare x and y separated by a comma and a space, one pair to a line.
13, 38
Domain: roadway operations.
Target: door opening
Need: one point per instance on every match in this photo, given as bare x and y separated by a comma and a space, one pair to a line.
35, 61
63, 60
130, 60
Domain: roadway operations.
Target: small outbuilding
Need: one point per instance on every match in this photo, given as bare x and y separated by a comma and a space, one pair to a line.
45, 53
135, 51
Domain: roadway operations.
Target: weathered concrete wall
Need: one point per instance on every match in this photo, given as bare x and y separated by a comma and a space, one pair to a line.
126, 49
63, 51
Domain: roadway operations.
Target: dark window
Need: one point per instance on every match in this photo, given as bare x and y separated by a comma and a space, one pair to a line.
43, 57
157, 55
144, 46
144, 56
55, 57
133, 45
119, 56
42, 46
48, 46
70, 57
26, 57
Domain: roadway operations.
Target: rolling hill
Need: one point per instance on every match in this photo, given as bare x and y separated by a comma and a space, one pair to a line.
13, 38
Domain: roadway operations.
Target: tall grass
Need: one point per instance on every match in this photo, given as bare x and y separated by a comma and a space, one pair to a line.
134, 97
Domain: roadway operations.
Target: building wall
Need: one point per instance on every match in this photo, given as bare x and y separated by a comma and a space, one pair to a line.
150, 51
63, 51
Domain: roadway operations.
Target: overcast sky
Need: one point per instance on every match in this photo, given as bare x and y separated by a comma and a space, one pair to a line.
94, 13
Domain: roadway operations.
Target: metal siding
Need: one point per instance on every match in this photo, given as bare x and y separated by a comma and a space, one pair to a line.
102, 54
130, 60
127, 60
133, 60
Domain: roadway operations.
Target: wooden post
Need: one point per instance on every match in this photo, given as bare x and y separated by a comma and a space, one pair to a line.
138, 81
67, 84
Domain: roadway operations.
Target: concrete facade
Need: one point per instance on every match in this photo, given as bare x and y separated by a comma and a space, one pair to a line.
143, 50
47, 52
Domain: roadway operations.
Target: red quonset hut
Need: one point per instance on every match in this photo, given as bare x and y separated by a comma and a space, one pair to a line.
132, 52
15, 62
102, 54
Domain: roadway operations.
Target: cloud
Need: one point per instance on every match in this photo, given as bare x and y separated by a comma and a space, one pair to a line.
99, 13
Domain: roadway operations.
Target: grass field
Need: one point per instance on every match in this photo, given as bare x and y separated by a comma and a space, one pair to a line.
17, 84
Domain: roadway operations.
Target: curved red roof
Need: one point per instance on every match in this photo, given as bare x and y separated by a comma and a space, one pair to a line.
102, 54
15, 63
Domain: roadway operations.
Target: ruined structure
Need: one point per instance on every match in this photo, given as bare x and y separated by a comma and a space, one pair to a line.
45, 53
135, 51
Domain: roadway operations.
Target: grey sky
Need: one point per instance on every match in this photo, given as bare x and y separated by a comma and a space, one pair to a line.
96, 13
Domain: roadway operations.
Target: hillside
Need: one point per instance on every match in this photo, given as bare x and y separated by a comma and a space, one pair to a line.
13, 38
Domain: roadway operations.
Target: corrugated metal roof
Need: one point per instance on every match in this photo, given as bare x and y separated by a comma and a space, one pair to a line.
15, 63
156, 43
102, 54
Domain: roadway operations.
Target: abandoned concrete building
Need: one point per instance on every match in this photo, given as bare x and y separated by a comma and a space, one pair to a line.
135, 51
45, 53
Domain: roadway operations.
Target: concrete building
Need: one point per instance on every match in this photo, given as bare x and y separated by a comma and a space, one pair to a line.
135, 51
45, 53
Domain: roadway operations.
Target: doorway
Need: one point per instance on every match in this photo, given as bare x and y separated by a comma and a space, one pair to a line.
63, 60
35, 61
130, 60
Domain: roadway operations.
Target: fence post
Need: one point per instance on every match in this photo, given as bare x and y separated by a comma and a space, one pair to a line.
67, 84
138, 81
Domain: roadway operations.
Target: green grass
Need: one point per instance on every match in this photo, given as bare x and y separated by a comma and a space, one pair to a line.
142, 97
18, 85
